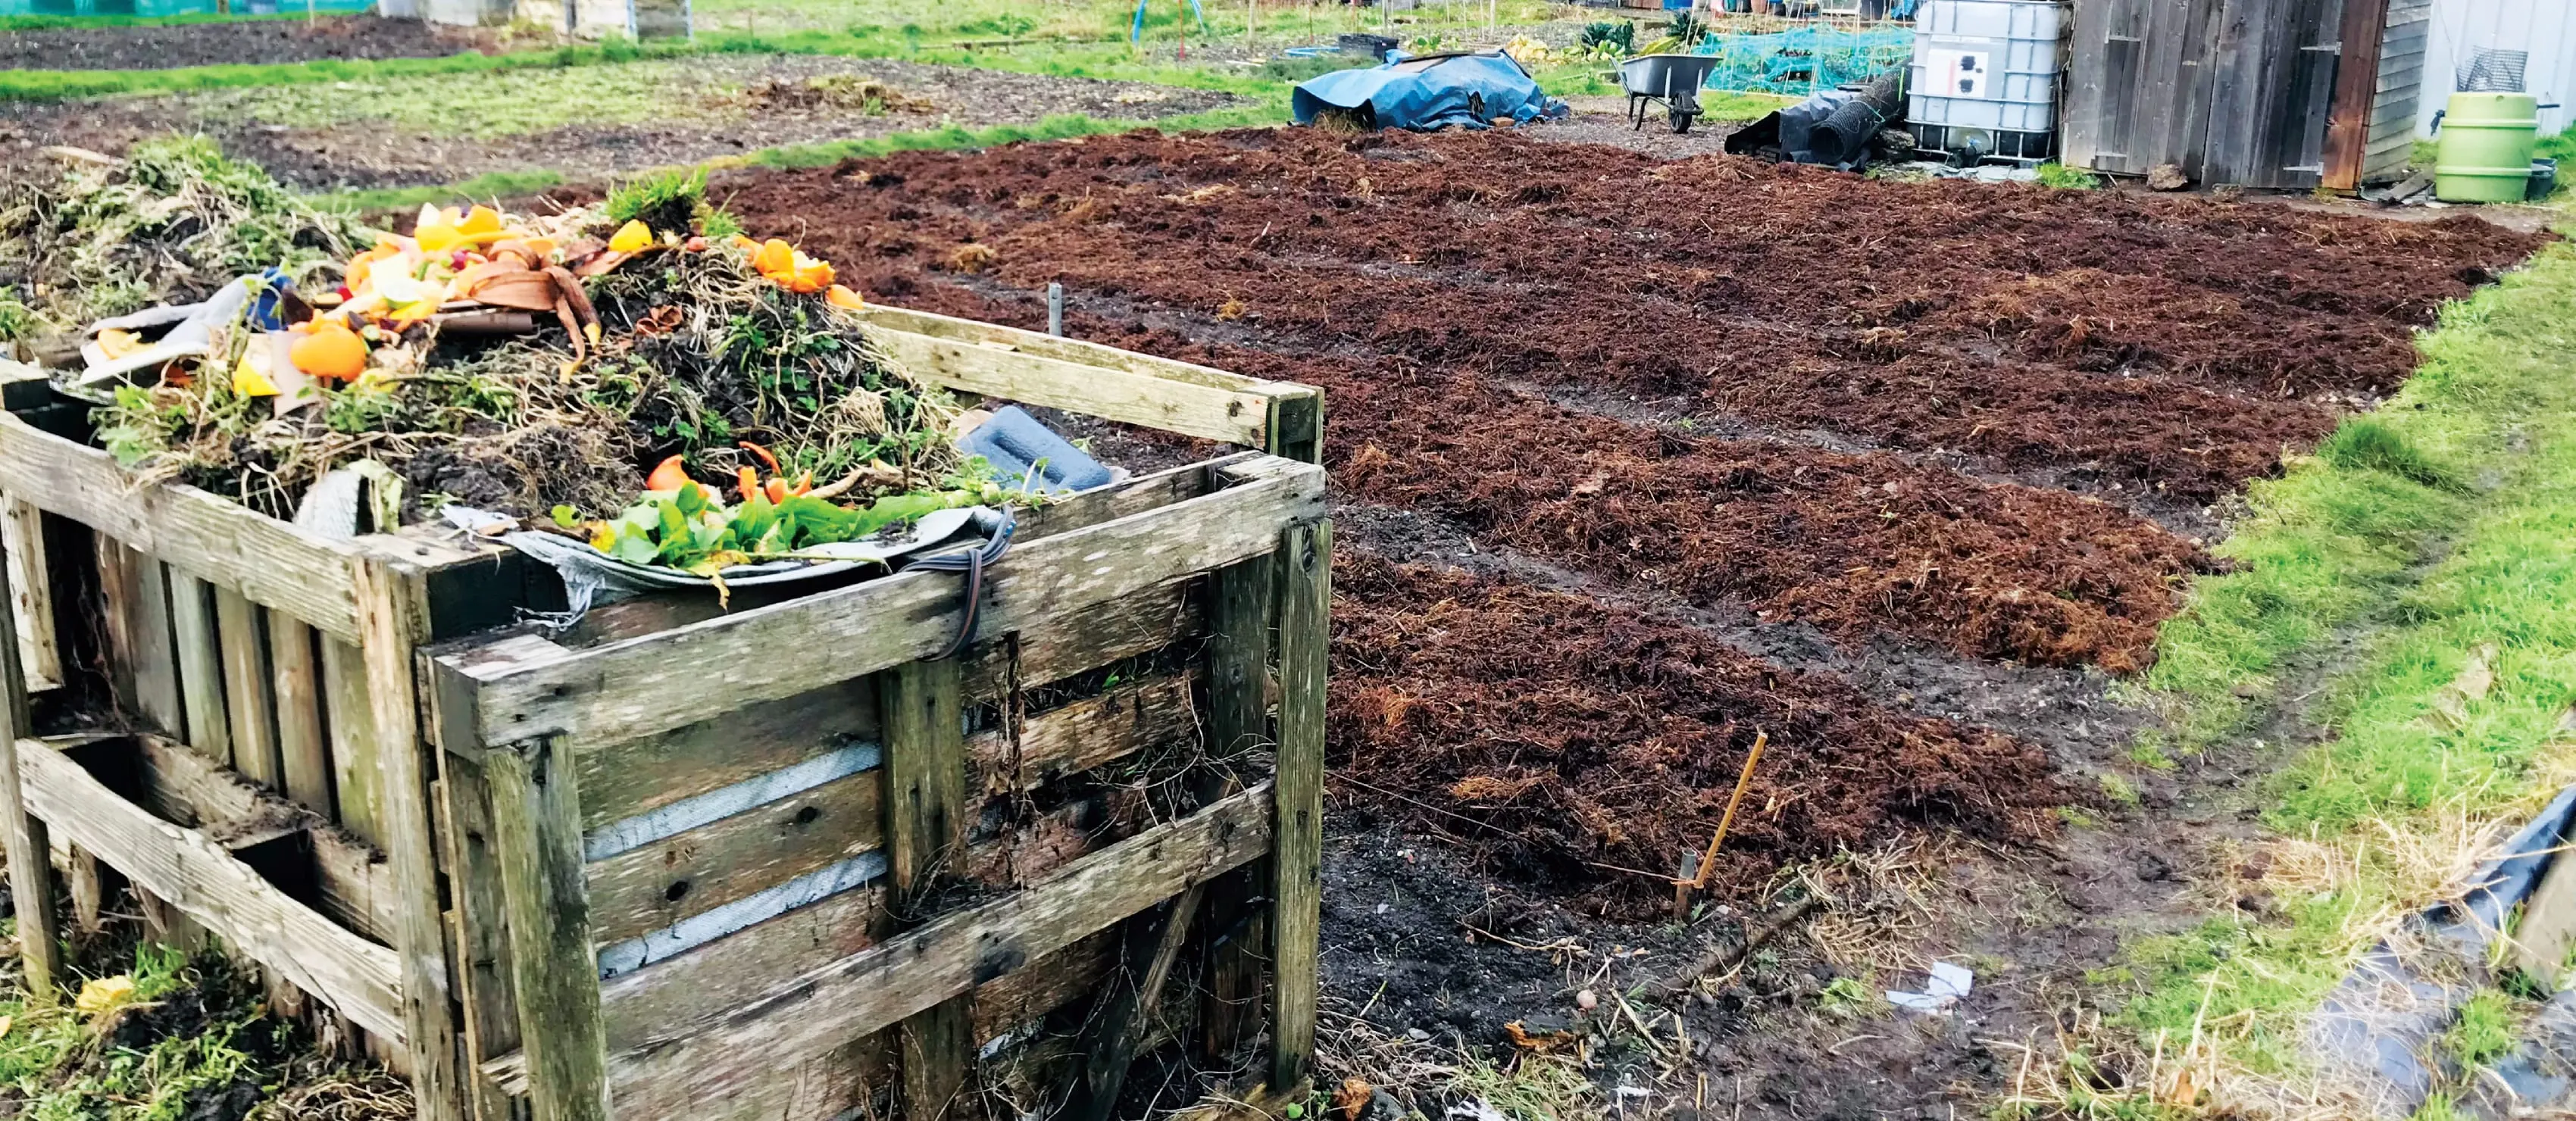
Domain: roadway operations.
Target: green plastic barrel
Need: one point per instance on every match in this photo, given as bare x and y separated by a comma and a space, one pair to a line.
2487, 143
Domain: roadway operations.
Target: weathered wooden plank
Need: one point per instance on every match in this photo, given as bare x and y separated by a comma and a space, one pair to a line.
156, 665
1062, 647
22, 534
247, 698
1074, 738
191, 872
2356, 99
116, 595
393, 619
273, 563
304, 754
731, 1060
661, 999
31, 875
201, 668
2541, 941
1042, 345
1297, 851
536, 817
622, 780
925, 830
651, 887
191, 790
350, 721
632, 689
491, 1010
1124, 1009
1232, 416
1241, 608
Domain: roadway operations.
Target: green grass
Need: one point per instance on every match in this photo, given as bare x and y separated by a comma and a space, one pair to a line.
2484, 1032
2435, 527
2067, 178
57, 85
1098, 20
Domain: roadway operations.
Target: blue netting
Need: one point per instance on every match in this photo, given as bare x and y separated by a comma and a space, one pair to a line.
1805, 59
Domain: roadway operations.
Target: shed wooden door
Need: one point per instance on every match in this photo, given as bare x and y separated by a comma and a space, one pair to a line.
2231, 91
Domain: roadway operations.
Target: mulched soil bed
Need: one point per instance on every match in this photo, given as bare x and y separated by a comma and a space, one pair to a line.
1576, 746
246, 42
1884, 361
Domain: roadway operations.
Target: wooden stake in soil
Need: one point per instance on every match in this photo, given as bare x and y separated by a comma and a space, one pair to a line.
1682, 889
31, 877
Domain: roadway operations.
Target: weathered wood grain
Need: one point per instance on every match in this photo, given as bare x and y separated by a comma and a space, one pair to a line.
273, 563
730, 1060
22, 534
632, 689
925, 829
31, 875
191, 872
156, 664
201, 668
536, 816
393, 618
303, 750
1297, 853
247, 689
1132, 717
1238, 720
651, 887
1207, 412
349, 717
490, 1024
190, 790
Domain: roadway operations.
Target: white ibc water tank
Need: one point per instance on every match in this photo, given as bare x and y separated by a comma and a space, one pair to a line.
1985, 76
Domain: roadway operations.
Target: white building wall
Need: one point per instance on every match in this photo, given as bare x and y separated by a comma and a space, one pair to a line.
2546, 28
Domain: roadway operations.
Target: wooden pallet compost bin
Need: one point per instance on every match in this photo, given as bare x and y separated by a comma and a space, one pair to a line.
776, 861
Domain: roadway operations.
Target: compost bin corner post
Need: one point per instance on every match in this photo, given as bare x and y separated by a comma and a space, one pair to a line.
925, 760
1305, 606
554, 972
393, 621
31, 877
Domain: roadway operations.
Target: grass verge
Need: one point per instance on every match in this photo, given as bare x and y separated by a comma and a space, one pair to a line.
2429, 539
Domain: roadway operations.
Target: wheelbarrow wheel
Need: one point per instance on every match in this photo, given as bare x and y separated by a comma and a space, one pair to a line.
1682, 119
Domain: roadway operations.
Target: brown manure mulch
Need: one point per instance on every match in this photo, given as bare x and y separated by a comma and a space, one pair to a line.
1568, 744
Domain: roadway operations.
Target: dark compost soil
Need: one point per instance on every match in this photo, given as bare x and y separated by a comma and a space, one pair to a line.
245, 42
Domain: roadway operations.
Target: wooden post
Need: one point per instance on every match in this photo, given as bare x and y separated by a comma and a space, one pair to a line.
156, 665
31, 873
1296, 428
393, 618
925, 763
252, 712
303, 757
23, 526
536, 839
353, 738
201, 668
1297, 850
483, 966
1238, 723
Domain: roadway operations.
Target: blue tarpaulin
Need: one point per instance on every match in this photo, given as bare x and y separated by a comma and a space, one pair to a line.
1434, 91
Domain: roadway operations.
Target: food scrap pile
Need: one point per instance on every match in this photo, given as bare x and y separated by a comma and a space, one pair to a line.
637, 375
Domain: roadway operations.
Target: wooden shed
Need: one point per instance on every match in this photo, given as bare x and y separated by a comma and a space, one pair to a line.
2288, 94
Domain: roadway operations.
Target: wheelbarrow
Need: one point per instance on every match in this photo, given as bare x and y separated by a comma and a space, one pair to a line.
1671, 80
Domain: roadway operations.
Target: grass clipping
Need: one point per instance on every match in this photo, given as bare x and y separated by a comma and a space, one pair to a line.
170, 223
699, 353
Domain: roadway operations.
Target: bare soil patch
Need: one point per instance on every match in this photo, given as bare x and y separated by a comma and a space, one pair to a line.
245, 42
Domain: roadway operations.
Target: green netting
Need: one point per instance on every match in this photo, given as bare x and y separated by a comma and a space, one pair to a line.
1805, 59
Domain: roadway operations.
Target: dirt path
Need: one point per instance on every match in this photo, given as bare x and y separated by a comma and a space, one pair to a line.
243, 42
1636, 459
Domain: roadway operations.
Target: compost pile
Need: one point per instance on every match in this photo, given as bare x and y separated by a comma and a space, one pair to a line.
171, 222
551, 368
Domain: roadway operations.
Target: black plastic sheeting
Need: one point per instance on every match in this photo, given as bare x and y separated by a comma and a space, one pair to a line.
2376, 1030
